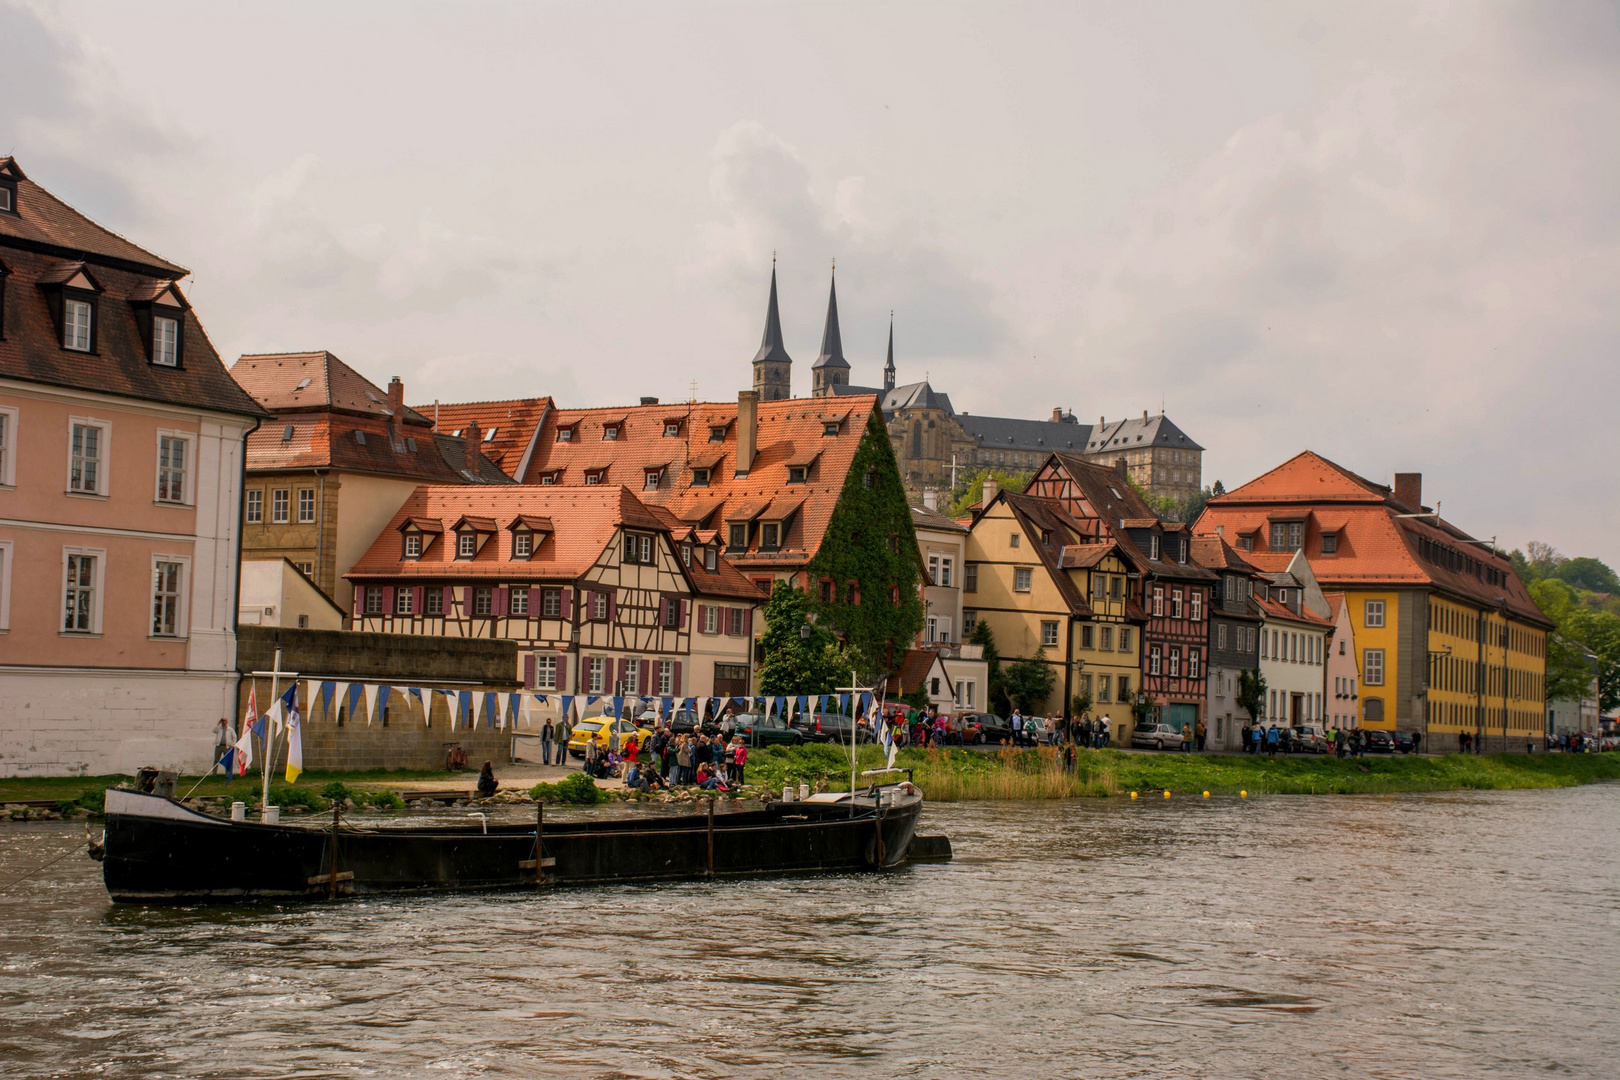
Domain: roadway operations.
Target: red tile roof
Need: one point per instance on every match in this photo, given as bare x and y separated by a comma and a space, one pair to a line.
1378, 543
46, 224
31, 345
1114, 508
787, 431
508, 428
1271, 609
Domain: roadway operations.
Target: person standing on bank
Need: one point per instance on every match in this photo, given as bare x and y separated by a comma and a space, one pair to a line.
548, 732
222, 741
1186, 738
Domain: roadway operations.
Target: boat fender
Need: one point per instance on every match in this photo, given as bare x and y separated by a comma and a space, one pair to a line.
906, 787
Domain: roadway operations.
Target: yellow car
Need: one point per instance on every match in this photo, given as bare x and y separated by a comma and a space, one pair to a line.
597, 727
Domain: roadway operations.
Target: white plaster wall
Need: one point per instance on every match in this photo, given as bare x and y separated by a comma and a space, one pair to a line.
1291, 677
68, 722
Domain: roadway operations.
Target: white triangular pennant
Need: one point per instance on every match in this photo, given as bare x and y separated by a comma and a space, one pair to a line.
370, 692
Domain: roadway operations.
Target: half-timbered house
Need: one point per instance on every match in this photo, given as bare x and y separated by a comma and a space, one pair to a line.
1172, 589
602, 593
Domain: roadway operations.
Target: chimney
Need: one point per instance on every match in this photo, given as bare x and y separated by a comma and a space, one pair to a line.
747, 429
1102, 422
473, 436
1119, 467
1409, 489
1057, 414
1144, 415
649, 401
396, 411
930, 498
991, 489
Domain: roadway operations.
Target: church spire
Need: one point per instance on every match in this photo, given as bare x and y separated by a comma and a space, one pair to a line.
830, 369
773, 367
888, 367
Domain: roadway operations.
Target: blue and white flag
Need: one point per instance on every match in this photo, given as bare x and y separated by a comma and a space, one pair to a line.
328, 689
567, 703
886, 740
618, 706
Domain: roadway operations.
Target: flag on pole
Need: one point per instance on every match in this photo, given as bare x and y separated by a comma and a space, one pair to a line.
886, 738
295, 744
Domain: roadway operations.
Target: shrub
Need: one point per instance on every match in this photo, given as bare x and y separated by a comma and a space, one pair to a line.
93, 799
576, 789
337, 791
286, 796
386, 800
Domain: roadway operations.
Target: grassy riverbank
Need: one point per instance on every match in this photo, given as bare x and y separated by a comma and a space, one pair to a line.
952, 775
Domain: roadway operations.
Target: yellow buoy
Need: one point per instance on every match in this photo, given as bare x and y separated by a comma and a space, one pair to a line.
1244, 794
1206, 794
1167, 793
1133, 794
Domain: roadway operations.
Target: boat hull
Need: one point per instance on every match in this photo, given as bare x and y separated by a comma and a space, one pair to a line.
157, 850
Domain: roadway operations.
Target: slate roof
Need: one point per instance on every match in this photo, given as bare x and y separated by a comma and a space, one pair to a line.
832, 339
287, 382
508, 428
1038, 436
45, 224
787, 429
49, 243
1272, 609
770, 345
1137, 433
1376, 545
917, 395
1216, 554
924, 518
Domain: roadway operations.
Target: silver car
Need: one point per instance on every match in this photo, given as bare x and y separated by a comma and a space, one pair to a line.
1310, 738
1157, 736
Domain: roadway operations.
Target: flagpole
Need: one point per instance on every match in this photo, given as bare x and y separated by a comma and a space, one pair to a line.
264, 771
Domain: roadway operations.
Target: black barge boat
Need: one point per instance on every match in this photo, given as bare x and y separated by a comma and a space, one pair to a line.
157, 850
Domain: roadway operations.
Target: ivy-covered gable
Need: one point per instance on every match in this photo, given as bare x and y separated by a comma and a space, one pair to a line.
865, 579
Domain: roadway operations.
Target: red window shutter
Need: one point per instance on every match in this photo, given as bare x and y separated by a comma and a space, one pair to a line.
624, 670
418, 599
500, 601
562, 669
613, 607
388, 600
447, 601
663, 606
528, 671
675, 685
748, 623
646, 687
701, 609
466, 602
359, 600
567, 603
534, 603
681, 622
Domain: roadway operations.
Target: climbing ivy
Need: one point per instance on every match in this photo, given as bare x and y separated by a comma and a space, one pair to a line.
870, 540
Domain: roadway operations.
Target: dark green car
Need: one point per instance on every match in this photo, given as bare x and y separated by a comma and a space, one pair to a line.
757, 730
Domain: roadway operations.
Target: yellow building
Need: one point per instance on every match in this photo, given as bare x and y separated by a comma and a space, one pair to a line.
1049, 592
1449, 641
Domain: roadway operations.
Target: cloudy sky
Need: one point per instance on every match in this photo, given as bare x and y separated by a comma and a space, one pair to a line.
1385, 232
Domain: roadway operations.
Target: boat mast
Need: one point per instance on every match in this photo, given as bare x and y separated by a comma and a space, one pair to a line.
855, 691
274, 675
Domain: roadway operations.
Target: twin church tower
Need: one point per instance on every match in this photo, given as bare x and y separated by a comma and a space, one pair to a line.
829, 375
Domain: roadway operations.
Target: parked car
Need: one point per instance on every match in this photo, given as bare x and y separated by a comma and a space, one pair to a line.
985, 728
757, 730
1156, 736
1377, 742
832, 727
598, 728
685, 722
1308, 739
1403, 742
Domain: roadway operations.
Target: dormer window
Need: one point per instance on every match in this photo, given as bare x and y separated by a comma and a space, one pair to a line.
1153, 546
549, 477
565, 433
770, 536
78, 320
8, 196
610, 432
466, 544
738, 536
165, 341
797, 474
686, 554
672, 429
829, 428
595, 476
651, 480
717, 433
413, 545
711, 559
522, 544
1330, 543
700, 477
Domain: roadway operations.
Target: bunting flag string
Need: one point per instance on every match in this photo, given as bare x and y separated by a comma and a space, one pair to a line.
382, 700
326, 697
567, 702
369, 692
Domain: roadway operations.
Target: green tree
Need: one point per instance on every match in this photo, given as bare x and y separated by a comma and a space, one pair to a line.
969, 488
1029, 682
795, 664
871, 542
1591, 575
1569, 668
1251, 693
1599, 631
1080, 704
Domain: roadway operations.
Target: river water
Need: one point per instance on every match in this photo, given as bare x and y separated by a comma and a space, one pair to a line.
1455, 935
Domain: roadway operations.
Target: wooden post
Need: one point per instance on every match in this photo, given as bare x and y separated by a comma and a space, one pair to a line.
879, 819
539, 846
710, 872
332, 881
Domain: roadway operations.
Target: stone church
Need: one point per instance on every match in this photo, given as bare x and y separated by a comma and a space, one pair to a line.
934, 443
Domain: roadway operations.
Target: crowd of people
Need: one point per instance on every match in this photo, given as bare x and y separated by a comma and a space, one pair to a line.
711, 762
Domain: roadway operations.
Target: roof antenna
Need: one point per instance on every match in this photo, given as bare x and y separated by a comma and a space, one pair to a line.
694, 381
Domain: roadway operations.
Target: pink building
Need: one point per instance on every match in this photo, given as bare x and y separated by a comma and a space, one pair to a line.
121, 439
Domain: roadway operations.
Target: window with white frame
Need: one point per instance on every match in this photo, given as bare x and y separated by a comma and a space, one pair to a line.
1022, 577
413, 545
1124, 639
168, 609
595, 674
666, 677
1373, 616
1175, 603
1049, 633
279, 506
964, 692
1372, 667
736, 616
255, 507
1105, 688
522, 544
483, 601
87, 456
306, 505
519, 604
76, 316
632, 677
174, 459
403, 601
433, 601
599, 606
1154, 659
1220, 636
551, 603
1158, 599
545, 672
1174, 670
1197, 601
1192, 663
466, 545
711, 620
8, 454
81, 594
371, 599
165, 341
